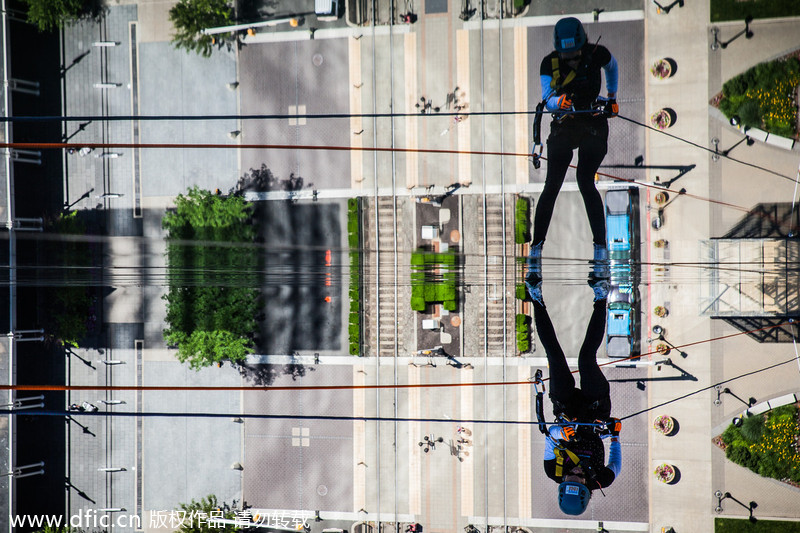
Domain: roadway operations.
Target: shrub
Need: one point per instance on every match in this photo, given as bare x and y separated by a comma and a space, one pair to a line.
522, 221
741, 455
762, 96
521, 292
418, 303
354, 242
428, 285
767, 445
523, 327
731, 435
750, 114
752, 428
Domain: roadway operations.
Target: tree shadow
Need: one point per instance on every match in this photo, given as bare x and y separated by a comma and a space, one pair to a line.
263, 180
265, 375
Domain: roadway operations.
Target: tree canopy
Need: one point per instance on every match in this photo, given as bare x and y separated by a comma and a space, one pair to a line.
48, 15
191, 16
213, 278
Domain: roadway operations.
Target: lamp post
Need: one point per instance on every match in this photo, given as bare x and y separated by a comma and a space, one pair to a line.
727, 496
747, 32
665, 341
724, 153
658, 221
665, 9
720, 391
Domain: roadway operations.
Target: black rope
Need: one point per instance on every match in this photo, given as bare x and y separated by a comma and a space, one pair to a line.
687, 395
343, 418
707, 149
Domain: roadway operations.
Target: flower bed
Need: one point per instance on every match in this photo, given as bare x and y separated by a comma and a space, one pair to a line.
764, 96
769, 444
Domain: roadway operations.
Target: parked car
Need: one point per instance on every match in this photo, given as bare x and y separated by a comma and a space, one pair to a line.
622, 233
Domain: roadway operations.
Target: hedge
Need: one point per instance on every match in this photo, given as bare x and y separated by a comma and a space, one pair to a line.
523, 327
354, 242
522, 221
428, 286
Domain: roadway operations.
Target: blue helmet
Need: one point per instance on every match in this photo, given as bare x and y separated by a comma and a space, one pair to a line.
573, 498
568, 35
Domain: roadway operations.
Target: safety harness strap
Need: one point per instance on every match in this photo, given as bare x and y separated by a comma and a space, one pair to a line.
559, 451
554, 83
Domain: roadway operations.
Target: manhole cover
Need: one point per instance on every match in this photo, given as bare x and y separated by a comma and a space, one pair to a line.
317, 60
322, 490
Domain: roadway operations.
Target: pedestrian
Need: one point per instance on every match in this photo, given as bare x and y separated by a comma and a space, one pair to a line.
574, 454
570, 79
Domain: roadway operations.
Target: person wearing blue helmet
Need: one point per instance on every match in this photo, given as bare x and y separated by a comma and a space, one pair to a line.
570, 78
574, 452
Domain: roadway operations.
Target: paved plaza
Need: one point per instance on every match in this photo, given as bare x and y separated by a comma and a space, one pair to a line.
344, 435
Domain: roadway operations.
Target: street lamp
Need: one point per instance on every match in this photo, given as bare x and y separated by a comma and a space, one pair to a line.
747, 32
665, 9
658, 221
724, 153
720, 391
727, 496
661, 338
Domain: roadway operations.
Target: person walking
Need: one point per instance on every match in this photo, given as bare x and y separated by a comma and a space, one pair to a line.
570, 78
574, 452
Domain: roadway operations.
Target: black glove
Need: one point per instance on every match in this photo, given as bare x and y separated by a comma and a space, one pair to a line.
611, 108
614, 426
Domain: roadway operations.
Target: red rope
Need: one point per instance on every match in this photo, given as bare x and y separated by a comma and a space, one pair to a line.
335, 387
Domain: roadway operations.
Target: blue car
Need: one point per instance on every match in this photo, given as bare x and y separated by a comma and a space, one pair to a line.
622, 233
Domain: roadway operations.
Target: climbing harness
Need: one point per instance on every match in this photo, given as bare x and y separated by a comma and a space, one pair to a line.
554, 83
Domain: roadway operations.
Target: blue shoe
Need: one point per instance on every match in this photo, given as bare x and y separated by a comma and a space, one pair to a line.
534, 288
535, 261
600, 288
600, 266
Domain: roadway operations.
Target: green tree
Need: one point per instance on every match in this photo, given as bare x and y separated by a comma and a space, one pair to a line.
198, 513
203, 348
191, 16
213, 278
52, 14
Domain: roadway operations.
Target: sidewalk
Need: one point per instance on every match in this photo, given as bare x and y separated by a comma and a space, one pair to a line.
684, 35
